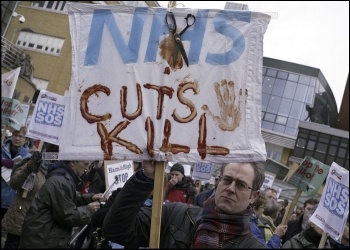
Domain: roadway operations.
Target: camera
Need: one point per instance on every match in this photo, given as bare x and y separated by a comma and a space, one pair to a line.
22, 19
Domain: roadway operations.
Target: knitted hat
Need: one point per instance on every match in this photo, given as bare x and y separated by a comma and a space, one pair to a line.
177, 167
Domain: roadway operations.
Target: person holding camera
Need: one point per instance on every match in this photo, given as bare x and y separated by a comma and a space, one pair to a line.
58, 207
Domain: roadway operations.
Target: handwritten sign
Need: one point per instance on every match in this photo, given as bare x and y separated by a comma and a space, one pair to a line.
309, 176
117, 174
268, 182
333, 209
12, 113
128, 100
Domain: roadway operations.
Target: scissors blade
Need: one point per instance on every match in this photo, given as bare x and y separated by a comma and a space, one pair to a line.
182, 51
176, 52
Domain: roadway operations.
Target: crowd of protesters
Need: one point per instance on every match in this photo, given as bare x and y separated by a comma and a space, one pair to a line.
62, 204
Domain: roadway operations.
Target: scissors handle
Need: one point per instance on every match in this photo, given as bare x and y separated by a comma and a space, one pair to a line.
172, 24
190, 20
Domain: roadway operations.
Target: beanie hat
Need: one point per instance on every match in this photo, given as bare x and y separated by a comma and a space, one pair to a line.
177, 167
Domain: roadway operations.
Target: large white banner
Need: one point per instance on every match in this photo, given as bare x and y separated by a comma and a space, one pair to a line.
128, 100
9, 81
47, 118
333, 210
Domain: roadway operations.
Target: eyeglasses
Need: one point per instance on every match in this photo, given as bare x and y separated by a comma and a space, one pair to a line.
19, 136
240, 185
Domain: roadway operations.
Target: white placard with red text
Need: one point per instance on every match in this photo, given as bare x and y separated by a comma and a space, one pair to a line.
127, 100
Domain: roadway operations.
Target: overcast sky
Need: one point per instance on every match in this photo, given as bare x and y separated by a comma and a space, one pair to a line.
314, 34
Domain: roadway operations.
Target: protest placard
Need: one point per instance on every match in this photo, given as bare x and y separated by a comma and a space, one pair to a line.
46, 121
202, 171
333, 210
309, 176
269, 179
9, 82
134, 103
12, 113
117, 173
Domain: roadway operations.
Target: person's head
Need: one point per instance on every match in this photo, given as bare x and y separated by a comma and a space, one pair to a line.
216, 183
177, 171
293, 216
79, 167
238, 187
283, 203
271, 208
270, 193
309, 207
259, 205
19, 138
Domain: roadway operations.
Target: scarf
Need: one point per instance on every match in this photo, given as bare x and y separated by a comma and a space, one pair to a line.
216, 228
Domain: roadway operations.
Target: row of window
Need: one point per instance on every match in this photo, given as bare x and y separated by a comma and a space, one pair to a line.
323, 147
288, 89
51, 5
303, 79
38, 42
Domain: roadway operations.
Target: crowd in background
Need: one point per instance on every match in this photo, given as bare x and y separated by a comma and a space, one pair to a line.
63, 204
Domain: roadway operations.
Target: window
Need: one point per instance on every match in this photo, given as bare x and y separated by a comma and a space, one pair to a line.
51, 5
270, 117
268, 83
290, 90
278, 87
42, 43
293, 77
285, 107
282, 75
274, 104
301, 93
271, 72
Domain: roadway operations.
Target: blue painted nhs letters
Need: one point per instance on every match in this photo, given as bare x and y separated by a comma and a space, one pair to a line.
129, 52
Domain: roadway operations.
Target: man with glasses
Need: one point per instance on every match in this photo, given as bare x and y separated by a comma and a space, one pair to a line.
13, 148
222, 222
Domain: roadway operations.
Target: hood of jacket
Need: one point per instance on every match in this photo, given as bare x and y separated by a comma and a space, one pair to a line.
62, 168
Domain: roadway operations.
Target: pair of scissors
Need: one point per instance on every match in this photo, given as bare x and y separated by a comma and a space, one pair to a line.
190, 20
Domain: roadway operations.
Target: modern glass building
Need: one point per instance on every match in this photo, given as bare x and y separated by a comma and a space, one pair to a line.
293, 93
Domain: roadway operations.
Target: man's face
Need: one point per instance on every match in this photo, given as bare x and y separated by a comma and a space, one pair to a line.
307, 210
80, 167
18, 139
228, 198
270, 195
176, 175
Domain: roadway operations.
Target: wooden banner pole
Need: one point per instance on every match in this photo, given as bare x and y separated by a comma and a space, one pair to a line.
157, 204
323, 241
290, 207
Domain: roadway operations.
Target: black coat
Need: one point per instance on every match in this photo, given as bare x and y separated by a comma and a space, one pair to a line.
128, 221
294, 227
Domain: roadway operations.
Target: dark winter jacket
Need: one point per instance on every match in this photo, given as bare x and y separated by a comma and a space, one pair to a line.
294, 227
14, 217
128, 221
55, 210
203, 196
